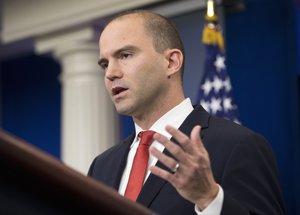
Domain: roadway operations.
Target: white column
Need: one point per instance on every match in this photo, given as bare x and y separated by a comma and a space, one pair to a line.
89, 122
88, 116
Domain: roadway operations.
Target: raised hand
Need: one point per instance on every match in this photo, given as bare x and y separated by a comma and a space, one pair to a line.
192, 176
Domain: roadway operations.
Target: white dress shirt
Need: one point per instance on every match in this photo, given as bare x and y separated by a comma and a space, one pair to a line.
175, 118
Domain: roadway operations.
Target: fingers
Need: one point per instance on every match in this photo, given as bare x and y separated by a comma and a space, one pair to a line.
189, 144
166, 160
174, 149
195, 136
163, 174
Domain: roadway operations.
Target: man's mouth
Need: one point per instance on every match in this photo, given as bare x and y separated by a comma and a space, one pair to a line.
118, 90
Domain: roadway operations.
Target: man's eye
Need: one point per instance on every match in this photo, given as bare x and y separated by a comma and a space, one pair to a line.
125, 55
104, 66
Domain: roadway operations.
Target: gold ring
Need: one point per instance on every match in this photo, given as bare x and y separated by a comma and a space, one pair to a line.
176, 167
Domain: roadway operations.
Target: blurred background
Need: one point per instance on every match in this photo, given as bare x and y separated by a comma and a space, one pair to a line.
52, 93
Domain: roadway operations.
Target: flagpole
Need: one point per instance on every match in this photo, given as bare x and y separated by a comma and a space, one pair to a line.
210, 11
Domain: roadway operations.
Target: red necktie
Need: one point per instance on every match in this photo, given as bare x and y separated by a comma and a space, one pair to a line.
139, 165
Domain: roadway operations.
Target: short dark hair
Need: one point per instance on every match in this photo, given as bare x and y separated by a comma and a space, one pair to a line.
161, 29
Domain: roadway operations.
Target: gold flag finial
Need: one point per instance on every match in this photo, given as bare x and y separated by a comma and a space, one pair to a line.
212, 34
210, 13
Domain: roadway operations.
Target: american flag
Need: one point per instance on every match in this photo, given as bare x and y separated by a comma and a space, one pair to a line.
215, 92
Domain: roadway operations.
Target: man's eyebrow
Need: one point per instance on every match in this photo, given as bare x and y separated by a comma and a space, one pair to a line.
124, 48
118, 51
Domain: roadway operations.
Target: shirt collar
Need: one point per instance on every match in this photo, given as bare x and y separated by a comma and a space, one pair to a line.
174, 117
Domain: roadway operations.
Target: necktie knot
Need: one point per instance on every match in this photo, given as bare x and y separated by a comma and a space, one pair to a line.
146, 137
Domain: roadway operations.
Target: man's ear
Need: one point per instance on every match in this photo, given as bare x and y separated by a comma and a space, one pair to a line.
175, 60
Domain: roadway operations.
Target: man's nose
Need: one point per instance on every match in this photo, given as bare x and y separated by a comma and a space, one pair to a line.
113, 71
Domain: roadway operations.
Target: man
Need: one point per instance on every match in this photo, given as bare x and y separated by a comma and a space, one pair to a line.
198, 163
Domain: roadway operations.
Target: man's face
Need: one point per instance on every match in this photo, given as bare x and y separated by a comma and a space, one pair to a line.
134, 72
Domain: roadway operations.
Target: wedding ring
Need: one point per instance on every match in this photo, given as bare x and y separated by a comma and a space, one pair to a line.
176, 167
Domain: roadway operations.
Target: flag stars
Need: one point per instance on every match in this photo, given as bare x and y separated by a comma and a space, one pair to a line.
206, 87
217, 84
215, 105
227, 84
227, 104
215, 92
220, 63
205, 105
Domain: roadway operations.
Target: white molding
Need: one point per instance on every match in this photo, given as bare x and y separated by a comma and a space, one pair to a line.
30, 18
58, 40
178, 7
17, 42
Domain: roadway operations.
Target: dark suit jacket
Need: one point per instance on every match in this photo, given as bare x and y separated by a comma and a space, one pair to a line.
242, 163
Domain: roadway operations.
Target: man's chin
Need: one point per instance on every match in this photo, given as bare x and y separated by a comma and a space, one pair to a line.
122, 109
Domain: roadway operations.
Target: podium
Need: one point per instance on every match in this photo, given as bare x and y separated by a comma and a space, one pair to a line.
33, 182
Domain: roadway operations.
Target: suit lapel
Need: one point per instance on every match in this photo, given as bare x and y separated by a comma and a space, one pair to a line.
154, 184
120, 164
